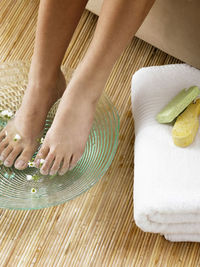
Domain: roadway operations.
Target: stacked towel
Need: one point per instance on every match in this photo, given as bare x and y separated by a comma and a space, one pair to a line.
166, 177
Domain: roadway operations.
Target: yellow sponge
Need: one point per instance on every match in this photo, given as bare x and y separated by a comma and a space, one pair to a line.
186, 125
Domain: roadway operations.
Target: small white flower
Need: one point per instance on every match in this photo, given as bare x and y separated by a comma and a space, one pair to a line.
17, 137
29, 177
7, 113
31, 164
42, 140
42, 161
33, 190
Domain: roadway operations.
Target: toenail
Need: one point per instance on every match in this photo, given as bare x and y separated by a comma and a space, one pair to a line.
52, 172
37, 163
20, 163
43, 172
1, 158
6, 162
71, 167
63, 172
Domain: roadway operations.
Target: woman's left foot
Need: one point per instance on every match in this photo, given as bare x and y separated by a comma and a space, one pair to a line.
65, 141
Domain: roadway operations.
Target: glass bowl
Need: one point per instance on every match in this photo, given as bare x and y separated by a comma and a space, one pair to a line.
16, 190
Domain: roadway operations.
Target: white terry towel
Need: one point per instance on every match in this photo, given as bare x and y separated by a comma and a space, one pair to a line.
166, 177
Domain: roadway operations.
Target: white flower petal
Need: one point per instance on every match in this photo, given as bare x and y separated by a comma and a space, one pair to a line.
6, 113
17, 137
31, 164
42, 161
33, 190
29, 177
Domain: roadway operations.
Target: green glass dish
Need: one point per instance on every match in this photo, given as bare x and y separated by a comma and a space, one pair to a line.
15, 190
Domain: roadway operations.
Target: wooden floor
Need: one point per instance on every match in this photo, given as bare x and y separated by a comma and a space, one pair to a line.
97, 228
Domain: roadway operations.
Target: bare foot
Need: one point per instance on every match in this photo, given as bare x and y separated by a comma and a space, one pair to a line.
65, 141
29, 122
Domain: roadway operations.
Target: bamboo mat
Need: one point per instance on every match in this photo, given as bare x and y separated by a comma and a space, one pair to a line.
97, 228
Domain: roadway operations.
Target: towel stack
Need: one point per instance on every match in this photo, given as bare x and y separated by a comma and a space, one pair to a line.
166, 177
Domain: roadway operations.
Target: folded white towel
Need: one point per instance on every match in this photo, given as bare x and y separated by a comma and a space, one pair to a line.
166, 177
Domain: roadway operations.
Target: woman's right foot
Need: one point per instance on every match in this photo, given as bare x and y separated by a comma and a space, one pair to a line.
29, 122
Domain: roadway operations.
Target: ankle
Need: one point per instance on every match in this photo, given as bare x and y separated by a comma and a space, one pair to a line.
45, 79
88, 85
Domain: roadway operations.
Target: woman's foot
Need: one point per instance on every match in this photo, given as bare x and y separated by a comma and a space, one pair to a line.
65, 141
29, 122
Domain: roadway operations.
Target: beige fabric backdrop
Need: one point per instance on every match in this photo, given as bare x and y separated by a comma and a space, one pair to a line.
171, 25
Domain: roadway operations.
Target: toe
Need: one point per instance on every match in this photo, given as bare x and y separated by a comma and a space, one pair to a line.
56, 165
3, 145
2, 135
47, 164
65, 166
42, 154
12, 156
22, 162
6, 152
73, 162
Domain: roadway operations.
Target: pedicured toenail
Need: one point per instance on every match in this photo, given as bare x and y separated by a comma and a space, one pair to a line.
20, 163
62, 173
71, 168
43, 172
52, 173
6, 163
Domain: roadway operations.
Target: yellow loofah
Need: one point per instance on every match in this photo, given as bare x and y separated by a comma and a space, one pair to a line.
186, 125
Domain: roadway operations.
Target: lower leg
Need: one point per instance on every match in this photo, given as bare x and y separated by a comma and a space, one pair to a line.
57, 21
117, 24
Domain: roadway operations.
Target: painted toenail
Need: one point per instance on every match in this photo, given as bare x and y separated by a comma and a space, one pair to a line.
20, 163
